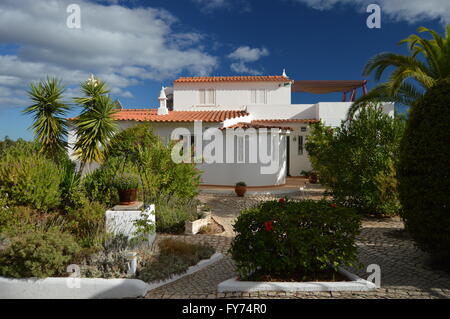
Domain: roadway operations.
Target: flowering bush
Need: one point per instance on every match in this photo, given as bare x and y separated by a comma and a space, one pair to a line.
287, 238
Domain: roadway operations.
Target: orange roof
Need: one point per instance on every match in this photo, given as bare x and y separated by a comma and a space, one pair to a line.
257, 78
306, 121
245, 125
150, 115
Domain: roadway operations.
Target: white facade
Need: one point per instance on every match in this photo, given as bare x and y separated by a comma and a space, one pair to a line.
265, 102
231, 95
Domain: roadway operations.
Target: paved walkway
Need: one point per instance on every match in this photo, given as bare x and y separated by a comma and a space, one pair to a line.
404, 273
292, 185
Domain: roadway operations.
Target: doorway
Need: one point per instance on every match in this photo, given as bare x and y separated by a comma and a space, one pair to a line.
288, 155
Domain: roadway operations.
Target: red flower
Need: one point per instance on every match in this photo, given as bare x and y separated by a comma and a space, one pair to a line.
268, 225
333, 205
281, 200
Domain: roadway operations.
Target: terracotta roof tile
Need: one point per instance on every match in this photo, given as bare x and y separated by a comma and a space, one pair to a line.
306, 121
150, 115
257, 78
245, 125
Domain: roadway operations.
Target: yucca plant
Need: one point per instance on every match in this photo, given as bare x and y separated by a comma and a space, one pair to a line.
427, 63
49, 110
95, 126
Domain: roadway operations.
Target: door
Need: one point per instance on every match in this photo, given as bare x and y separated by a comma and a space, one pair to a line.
288, 155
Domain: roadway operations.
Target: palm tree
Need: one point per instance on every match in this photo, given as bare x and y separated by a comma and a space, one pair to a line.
49, 124
414, 74
95, 126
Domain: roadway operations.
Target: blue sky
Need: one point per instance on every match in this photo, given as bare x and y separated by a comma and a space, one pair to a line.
137, 46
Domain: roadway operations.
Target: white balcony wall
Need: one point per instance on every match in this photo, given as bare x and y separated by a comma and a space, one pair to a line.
282, 111
231, 95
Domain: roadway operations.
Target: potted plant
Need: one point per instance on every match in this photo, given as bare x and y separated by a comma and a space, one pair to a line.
126, 185
313, 177
305, 173
240, 188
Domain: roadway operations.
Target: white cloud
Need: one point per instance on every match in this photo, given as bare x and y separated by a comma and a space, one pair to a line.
208, 6
211, 4
411, 11
242, 68
247, 54
121, 45
244, 55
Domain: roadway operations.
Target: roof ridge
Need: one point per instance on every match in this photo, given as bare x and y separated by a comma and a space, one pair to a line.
232, 78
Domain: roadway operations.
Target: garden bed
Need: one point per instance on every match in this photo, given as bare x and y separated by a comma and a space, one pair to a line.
88, 288
211, 228
352, 283
204, 225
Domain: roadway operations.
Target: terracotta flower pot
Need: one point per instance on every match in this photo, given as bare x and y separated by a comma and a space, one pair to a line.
313, 178
240, 190
127, 196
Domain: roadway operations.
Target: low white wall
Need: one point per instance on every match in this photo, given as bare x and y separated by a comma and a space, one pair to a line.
87, 288
71, 288
122, 222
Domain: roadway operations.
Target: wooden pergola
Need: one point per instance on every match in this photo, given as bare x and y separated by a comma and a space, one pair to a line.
324, 86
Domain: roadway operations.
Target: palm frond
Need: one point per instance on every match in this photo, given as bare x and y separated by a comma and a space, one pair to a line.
49, 110
95, 126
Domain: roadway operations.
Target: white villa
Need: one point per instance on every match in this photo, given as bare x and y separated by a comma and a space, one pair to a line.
243, 109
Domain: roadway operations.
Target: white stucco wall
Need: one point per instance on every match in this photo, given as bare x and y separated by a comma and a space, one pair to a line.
253, 174
332, 113
232, 95
282, 111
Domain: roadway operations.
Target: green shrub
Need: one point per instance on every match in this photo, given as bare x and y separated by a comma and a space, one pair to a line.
87, 223
37, 253
7, 143
424, 172
29, 178
98, 185
127, 142
110, 261
172, 214
146, 153
11, 218
72, 195
126, 182
287, 238
358, 160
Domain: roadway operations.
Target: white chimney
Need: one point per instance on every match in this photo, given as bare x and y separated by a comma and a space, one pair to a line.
284, 73
162, 110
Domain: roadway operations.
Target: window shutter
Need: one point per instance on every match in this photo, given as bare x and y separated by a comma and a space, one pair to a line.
253, 96
240, 149
202, 95
262, 97
211, 97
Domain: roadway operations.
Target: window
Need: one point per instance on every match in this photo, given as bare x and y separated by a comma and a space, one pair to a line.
207, 97
300, 145
240, 149
258, 96
303, 129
